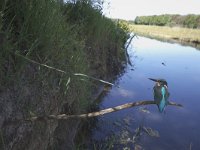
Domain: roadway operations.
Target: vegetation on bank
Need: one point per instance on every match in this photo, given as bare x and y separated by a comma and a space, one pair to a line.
187, 21
168, 33
74, 37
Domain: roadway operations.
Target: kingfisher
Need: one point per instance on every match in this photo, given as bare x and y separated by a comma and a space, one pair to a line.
161, 93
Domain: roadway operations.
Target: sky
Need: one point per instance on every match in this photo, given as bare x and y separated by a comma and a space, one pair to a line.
129, 9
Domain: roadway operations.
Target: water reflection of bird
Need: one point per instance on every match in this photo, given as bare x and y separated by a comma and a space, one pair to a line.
161, 93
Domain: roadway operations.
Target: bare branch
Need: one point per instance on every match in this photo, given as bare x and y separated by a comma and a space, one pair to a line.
99, 113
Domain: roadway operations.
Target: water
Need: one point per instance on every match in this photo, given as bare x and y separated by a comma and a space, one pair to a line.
179, 128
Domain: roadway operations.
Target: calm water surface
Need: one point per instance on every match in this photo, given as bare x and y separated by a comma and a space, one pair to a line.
179, 128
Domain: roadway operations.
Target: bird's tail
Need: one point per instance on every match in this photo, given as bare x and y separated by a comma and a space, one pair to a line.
162, 106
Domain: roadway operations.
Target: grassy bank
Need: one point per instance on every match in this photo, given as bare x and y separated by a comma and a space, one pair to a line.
168, 33
74, 37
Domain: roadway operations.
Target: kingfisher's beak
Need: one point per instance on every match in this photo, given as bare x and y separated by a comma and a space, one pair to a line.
155, 80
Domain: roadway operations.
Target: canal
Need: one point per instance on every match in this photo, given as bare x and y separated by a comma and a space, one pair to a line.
145, 127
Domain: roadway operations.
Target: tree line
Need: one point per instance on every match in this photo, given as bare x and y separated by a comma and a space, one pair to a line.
188, 21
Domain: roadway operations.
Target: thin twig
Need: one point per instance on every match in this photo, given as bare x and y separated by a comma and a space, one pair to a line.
126, 50
100, 80
59, 70
129, 42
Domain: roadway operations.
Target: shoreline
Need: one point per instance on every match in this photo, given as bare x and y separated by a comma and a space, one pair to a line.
183, 36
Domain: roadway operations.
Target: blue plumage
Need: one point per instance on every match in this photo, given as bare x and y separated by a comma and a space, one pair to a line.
161, 93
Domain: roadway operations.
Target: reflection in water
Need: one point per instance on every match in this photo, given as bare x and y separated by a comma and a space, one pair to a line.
161, 94
124, 92
183, 43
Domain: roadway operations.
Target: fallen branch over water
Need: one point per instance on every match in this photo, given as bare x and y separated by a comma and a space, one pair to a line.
98, 113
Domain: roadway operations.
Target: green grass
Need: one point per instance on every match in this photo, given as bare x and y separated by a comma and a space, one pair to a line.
73, 37
169, 33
